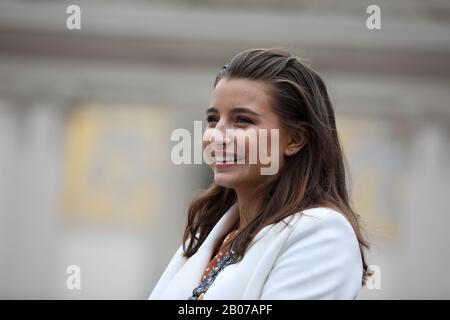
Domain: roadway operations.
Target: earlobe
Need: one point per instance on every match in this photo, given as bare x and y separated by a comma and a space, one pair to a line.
290, 151
295, 146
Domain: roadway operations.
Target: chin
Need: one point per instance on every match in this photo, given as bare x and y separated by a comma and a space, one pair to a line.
233, 178
226, 182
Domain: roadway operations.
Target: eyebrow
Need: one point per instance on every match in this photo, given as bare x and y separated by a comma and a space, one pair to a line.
234, 110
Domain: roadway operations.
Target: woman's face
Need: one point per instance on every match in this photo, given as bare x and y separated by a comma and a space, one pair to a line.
244, 106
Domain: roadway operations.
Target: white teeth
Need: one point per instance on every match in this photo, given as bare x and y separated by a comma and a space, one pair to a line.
228, 159
224, 159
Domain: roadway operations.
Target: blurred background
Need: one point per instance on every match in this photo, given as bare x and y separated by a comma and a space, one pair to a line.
86, 117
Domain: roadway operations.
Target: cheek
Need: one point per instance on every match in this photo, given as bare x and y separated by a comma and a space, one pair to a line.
261, 143
274, 142
207, 147
246, 142
269, 143
206, 138
205, 144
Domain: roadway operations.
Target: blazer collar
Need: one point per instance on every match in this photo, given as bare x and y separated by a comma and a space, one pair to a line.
223, 226
189, 275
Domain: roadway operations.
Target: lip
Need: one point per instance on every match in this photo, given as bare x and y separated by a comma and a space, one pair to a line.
221, 165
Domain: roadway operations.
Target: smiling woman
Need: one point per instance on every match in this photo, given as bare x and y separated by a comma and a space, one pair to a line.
288, 235
242, 107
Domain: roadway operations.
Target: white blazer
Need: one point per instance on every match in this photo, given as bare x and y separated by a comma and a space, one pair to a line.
315, 257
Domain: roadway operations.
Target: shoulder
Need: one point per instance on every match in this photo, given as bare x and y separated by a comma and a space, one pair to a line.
319, 259
321, 223
323, 237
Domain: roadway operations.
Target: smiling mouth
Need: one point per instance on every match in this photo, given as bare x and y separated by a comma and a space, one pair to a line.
226, 158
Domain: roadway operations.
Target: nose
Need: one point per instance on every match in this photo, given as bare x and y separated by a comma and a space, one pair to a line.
220, 140
220, 136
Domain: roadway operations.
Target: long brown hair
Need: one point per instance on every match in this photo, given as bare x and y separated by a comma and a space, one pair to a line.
313, 177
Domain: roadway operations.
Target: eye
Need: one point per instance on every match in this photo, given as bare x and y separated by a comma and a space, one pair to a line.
243, 120
211, 119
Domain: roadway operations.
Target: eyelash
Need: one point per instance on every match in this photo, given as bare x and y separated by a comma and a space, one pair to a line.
210, 119
246, 120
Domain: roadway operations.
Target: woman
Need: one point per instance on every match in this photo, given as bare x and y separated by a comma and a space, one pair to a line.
288, 235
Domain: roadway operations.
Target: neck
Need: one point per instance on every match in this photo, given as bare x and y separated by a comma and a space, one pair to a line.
246, 206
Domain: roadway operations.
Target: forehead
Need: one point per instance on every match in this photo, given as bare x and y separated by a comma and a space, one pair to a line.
241, 92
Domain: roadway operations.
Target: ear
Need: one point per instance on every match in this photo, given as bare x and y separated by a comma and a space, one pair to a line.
296, 142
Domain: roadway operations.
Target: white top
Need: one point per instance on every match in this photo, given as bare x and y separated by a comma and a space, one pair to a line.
316, 256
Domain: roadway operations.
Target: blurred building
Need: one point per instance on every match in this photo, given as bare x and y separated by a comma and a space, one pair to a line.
86, 117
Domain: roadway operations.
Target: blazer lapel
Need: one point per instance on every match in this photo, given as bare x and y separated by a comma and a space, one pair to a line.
189, 275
